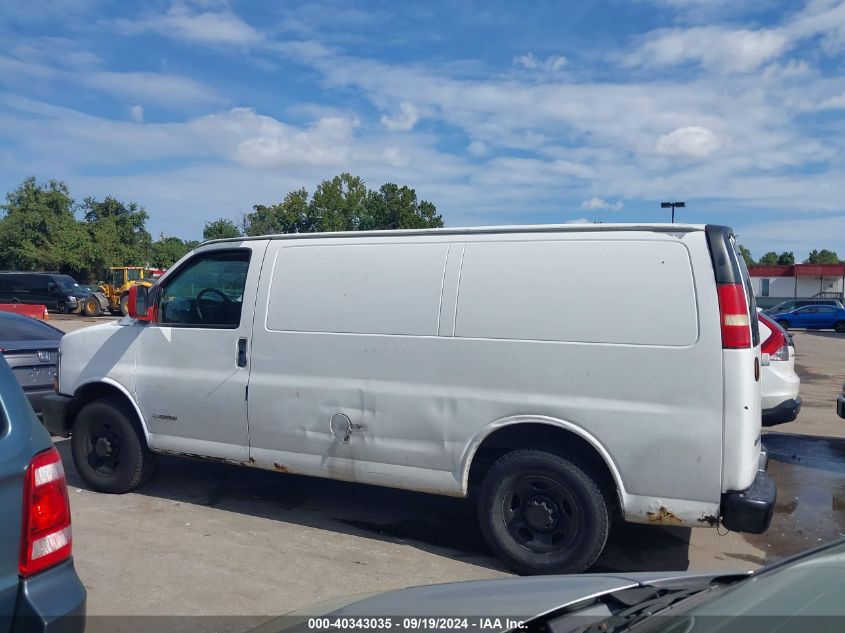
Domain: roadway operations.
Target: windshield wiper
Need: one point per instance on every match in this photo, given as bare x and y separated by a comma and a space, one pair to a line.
636, 605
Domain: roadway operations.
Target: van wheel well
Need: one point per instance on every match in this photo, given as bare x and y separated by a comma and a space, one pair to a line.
552, 439
100, 391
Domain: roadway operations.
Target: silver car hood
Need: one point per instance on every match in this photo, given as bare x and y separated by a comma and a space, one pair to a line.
506, 598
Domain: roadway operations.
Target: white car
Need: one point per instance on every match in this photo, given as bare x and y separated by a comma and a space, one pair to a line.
781, 402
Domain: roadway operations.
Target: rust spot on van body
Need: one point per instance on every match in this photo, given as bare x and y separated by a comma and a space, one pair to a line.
664, 516
710, 520
281, 468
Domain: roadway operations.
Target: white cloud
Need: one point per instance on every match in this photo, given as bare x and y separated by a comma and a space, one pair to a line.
837, 102
136, 113
162, 88
552, 63
713, 47
792, 68
209, 27
579, 221
602, 204
477, 148
403, 120
693, 141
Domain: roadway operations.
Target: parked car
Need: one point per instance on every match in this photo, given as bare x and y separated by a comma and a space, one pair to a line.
798, 594
58, 292
31, 347
456, 361
792, 304
39, 587
781, 402
814, 317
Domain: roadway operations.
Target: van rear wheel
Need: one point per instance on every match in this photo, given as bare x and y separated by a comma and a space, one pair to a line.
108, 450
542, 514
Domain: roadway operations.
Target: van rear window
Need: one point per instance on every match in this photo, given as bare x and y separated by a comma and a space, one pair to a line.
625, 292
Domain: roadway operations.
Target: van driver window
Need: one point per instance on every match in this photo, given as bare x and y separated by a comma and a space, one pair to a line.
207, 291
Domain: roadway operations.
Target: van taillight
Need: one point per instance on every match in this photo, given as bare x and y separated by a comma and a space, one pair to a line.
45, 537
735, 320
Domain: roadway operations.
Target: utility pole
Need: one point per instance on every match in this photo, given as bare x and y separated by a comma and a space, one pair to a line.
673, 205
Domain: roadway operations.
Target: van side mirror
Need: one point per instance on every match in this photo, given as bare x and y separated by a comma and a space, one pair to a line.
138, 303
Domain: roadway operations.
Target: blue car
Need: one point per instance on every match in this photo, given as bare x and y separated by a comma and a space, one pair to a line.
813, 317
40, 591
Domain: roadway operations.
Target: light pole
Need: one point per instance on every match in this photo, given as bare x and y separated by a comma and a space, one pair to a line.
673, 205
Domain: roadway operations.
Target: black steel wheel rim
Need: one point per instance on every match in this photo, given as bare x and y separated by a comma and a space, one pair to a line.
103, 448
541, 514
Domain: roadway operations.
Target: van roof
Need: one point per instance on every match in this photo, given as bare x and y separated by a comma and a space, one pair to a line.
481, 230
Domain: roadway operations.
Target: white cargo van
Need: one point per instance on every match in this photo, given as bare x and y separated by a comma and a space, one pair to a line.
565, 376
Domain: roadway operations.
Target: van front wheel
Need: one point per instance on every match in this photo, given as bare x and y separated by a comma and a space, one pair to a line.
108, 450
542, 514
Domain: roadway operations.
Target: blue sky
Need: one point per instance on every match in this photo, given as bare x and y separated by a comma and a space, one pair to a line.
498, 112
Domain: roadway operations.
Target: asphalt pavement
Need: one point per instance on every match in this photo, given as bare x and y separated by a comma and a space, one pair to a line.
217, 540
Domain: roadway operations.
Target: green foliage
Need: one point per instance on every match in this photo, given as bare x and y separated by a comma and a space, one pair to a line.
786, 258
746, 255
769, 259
220, 229
823, 256
118, 234
40, 230
344, 204
166, 251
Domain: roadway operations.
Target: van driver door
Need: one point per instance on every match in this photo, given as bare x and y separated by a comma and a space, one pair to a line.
193, 358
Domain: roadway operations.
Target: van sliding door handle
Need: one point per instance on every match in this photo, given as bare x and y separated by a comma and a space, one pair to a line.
241, 352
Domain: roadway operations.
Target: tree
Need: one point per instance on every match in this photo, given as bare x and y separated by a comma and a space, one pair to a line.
168, 250
39, 229
220, 229
340, 204
786, 258
343, 204
394, 207
746, 255
118, 233
769, 259
823, 256
292, 215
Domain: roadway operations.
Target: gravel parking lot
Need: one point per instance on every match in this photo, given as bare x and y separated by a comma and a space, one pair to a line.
209, 539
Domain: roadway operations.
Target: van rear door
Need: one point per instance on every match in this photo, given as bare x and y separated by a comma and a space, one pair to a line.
740, 360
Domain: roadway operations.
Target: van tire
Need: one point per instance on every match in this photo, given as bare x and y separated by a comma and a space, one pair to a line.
839, 326
62, 307
564, 503
108, 449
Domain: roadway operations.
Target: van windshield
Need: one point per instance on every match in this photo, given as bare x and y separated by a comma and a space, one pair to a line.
66, 283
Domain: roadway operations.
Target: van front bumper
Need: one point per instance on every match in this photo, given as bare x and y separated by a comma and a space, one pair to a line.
54, 408
751, 510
